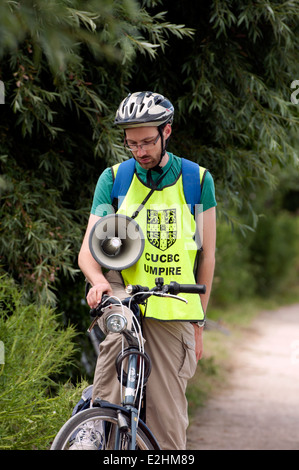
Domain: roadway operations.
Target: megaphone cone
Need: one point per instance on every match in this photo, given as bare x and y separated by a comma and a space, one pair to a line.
116, 242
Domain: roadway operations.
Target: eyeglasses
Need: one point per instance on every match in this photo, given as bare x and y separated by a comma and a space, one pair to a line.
146, 146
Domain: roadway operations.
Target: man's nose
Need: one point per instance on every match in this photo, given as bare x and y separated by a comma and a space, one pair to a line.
140, 151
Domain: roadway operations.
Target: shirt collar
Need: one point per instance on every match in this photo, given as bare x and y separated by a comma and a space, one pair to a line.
155, 175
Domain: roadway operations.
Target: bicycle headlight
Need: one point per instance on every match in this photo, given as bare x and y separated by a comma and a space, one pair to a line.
116, 323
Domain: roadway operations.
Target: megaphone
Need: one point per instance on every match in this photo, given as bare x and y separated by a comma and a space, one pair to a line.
116, 241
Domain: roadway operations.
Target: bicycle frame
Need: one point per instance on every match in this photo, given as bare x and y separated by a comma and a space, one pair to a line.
123, 425
127, 412
136, 376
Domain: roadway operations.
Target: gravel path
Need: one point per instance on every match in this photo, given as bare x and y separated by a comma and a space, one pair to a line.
259, 410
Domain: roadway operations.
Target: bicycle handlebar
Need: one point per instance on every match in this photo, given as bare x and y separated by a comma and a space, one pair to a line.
141, 293
175, 288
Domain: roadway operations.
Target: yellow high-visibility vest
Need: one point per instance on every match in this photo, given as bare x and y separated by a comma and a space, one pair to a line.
170, 249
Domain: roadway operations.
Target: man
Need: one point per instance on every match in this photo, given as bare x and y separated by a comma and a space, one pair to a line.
173, 330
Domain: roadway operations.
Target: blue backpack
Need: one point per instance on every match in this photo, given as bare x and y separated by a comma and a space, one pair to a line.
192, 174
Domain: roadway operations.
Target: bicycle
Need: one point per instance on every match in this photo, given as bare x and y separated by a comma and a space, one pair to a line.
121, 427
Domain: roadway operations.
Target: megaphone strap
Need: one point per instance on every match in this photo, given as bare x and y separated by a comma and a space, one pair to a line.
148, 196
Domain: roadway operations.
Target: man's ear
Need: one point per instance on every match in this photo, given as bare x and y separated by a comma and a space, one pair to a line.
167, 131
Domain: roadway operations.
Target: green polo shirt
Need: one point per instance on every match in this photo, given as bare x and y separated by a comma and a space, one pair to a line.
102, 204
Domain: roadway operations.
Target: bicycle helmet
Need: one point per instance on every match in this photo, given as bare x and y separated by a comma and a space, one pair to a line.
144, 108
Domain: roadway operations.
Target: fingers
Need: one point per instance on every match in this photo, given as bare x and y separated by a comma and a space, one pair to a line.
198, 341
94, 295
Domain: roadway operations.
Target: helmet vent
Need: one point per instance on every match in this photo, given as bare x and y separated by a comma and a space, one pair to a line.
144, 109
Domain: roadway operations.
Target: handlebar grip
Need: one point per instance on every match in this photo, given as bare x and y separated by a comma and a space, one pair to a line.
96, 311
93, 312
176, 288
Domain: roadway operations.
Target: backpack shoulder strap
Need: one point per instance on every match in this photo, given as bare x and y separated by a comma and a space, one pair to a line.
192, 174
122, 174
193, 178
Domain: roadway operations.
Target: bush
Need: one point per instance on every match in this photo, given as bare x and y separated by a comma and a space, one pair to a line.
274, 253
262, 263
33, 405
233, 273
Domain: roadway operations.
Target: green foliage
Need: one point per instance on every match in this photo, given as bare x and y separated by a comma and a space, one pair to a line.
33, 405
231, 88
263, 262
274, 254
234, 278
36, 243
66, 66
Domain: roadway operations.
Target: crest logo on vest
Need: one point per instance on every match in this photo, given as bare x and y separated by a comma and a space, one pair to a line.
162, 228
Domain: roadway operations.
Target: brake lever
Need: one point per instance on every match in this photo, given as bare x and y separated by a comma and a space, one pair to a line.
93, 323
171, 296
97, 312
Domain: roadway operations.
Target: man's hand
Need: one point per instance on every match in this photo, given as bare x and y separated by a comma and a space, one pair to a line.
94, 295
198, 340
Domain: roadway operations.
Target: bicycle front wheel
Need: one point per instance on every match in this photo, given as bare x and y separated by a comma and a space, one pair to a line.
98, 429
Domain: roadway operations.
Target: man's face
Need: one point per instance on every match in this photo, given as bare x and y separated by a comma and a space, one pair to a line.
147, 156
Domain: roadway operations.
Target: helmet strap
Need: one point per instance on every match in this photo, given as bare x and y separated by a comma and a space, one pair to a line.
158, 168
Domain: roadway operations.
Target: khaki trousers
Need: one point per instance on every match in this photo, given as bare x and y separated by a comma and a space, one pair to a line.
171, 347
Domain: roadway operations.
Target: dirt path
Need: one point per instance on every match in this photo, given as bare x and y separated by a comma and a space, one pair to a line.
260, 407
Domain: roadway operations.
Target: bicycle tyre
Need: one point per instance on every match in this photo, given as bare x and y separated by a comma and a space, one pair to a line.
63, 439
